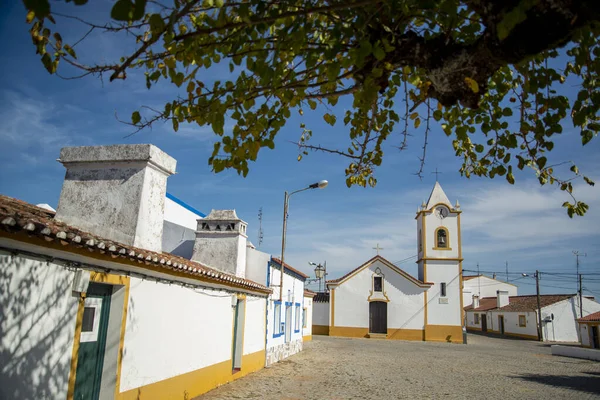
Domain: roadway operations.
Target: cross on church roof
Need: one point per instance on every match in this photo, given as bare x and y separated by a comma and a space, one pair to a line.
436, 172
377, 248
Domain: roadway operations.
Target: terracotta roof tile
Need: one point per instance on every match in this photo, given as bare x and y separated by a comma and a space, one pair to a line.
321, 297
469, 277
17, 216
595, 317
309, 293
519, 303
289, 267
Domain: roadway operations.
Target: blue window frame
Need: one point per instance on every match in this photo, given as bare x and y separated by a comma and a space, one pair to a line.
277, 326
298, 316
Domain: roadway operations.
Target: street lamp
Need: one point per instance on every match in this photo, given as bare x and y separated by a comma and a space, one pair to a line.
320, 273
286, 201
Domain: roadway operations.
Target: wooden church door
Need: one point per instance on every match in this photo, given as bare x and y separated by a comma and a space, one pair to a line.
378, 317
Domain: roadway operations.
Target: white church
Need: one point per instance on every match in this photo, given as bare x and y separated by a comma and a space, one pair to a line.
380, 300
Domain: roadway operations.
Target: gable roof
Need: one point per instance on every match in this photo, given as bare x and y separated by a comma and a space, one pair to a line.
469, 277
385, 262
20, 220
309, 293
289, 268
322, 297
595, 317
519, 303
438, 196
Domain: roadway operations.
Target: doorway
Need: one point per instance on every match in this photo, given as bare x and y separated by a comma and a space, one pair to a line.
483, 318
238, 334
378, 317
501, 324
92, 341
595, 336
288, 322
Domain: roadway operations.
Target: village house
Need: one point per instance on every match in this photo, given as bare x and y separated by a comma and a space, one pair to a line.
126, 292
484, 286
380, 300
589, 330
518, 316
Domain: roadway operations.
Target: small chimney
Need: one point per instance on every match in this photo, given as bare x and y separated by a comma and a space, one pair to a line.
475, 301
221, 242
501, 298
116, 192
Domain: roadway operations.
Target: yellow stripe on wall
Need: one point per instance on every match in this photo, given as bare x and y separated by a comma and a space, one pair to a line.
195, 383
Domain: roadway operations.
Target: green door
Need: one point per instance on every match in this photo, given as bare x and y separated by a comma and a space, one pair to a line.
92, 342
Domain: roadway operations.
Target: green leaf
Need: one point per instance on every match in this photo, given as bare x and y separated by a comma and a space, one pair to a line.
379, 53
157, 24
541, 162
586, 136
574, 169
136, 117
30, 16
70, 51
588, 181
472, 84
330, 119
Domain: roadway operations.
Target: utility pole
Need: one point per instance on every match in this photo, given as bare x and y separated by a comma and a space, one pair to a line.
580, 297
539, 304
577, 254
506, 271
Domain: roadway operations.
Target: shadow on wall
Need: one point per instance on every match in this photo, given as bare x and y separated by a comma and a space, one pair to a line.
36, 329
588, 383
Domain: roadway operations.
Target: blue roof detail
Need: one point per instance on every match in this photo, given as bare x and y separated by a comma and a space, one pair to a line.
184, 205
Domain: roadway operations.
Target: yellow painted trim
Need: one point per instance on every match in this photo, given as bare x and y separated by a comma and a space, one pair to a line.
460, 283
21, 237
387, 264
332, 306
393, 334
444, 333
75, 350
111, 279
195, 383
521, 335
384, 300
473, 328
307, 338
425, 296
320, 330
424, 238
439, 259
435, 233
459, 238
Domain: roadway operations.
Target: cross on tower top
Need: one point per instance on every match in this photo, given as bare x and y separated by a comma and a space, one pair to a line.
436, 172
377, 248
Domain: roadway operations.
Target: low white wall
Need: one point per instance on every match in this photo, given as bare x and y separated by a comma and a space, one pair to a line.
37, 326
254, 331
173, 330
576, 352
308, 305
320, 313
584, 332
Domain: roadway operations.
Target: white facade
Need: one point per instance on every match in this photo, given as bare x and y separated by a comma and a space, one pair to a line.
284, 316
180, 213
200, 323
558, 320
405, 300
484, 286
307, 316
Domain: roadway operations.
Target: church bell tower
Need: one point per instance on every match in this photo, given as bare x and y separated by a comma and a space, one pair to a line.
440, 263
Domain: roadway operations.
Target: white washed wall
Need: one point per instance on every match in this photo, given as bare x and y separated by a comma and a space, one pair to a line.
257, 263
37, 323
443, 313
584, 332
564, 327
511, 322
470, 317
488, 288
320, 313
180, 215
308, 304
254, 332
173, 330
405, 309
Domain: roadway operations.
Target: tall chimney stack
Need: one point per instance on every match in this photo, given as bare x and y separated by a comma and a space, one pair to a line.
117, 192
501, 298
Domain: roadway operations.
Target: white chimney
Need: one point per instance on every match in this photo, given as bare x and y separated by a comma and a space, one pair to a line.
475, 301
116, 192
221, 242
501, 298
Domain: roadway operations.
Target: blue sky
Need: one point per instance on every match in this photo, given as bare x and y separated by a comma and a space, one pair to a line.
523, 224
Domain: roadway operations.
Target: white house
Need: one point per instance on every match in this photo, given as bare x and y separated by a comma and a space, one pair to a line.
380, 300
94, 308
517, 316
307, 315
484, 286
589, 330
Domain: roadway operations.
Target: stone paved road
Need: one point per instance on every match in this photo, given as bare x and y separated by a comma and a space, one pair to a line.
486, 368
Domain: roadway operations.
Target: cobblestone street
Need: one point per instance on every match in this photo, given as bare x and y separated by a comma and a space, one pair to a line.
487, 368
